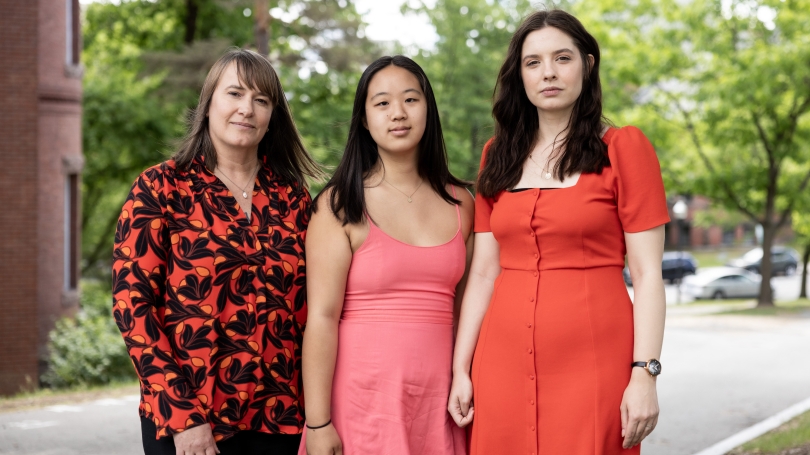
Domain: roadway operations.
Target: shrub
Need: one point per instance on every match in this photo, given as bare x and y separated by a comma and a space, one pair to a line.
88, 349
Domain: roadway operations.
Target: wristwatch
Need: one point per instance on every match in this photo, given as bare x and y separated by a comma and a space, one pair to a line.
653, 366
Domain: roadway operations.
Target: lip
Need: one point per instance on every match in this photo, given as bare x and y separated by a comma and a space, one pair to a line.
243, 125
399, 131
551, 91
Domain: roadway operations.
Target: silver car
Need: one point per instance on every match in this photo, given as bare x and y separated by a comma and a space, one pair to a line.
722, 283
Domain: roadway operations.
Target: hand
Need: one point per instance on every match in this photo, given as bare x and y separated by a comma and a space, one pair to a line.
639, 408
324, 441
196, 441
459, 405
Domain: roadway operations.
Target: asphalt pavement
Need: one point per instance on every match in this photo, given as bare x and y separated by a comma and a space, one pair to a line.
721, 374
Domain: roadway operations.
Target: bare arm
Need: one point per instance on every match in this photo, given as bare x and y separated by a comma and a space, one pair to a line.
640, 403
484, 269
467, 215
329, 256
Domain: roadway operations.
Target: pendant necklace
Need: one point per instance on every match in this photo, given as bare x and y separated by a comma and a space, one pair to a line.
406, 194
244, 189
546, 171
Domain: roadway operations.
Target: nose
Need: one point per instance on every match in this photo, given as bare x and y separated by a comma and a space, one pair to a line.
549, 73
246, 106
398, 111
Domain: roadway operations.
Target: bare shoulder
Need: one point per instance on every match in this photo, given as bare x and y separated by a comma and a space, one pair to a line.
322, 210
467, 209
464, 195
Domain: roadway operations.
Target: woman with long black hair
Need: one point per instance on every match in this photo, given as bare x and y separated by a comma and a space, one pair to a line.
564, 362
387, 248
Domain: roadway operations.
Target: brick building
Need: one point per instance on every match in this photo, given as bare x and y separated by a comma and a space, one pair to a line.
40, 165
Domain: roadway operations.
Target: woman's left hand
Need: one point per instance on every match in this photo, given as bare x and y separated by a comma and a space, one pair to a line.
639, 408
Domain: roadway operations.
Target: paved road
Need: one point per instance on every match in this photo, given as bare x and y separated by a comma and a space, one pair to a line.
721, 375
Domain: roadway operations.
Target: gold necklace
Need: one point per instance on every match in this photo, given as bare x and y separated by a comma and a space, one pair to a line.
244, 189
546, 171
406, 194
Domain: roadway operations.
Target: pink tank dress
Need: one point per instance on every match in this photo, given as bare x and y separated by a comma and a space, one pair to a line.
395, 348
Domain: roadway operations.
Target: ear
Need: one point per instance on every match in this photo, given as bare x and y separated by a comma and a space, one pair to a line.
365, 123
590, 61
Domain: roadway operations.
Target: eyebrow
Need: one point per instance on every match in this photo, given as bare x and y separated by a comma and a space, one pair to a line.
239, 87
557, 52
404, 91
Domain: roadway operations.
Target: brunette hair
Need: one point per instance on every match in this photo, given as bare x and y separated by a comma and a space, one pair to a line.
281, 146
517, 121
347, 199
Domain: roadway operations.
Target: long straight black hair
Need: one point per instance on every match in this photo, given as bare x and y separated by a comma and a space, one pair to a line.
347, 199
517, 122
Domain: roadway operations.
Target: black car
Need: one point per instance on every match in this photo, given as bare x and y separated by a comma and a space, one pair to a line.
674, 266
783, 260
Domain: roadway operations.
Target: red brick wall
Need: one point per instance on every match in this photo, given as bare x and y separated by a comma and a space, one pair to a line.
19, 192
59, 154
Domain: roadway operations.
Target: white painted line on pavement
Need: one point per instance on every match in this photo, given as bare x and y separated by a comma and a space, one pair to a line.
757, 430
64, 408
33, 424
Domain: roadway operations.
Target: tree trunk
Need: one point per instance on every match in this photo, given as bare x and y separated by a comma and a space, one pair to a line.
766, 268
806, 262
191, 21
262, 21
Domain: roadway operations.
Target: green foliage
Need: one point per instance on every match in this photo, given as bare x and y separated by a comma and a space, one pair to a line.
795, 433
87, 349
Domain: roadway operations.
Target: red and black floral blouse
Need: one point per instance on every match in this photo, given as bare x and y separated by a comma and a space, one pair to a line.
212, 305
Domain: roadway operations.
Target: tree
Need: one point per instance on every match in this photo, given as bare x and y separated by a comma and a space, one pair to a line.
801, 226
734, 78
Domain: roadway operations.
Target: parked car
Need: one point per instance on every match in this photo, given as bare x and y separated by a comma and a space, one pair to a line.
783, 260
674, 266
722, 283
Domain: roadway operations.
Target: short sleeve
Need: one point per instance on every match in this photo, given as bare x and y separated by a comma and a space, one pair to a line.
640, 195
483, 205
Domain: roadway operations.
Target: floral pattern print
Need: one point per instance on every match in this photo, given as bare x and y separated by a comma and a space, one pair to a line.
212, 305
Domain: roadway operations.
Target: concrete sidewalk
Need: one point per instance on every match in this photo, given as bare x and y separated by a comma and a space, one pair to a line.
723, 374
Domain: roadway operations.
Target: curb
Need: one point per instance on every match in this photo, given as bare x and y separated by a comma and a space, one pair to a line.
757, 430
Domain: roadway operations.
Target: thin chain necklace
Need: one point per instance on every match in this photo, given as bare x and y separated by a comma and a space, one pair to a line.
244, 189
546, 171
406, 194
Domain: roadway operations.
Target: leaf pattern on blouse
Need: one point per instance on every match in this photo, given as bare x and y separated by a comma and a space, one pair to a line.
212, 305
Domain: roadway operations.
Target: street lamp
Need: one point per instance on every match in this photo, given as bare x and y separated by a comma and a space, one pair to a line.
679, 210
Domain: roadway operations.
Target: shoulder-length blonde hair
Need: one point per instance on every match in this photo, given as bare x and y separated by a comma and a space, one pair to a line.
281, 146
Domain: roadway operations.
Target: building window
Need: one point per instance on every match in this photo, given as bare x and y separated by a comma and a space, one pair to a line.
74, 33
71, 231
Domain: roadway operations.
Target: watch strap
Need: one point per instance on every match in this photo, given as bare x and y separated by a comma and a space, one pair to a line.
639, 364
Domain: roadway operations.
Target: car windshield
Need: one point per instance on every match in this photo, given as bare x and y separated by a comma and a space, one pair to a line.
753, 255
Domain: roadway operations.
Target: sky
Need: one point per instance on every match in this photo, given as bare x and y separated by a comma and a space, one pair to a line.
386, 23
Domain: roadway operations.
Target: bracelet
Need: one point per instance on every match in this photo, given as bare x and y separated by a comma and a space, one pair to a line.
315, 428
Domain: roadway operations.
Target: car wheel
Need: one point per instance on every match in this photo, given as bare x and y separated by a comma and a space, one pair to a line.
790, 269
718, 295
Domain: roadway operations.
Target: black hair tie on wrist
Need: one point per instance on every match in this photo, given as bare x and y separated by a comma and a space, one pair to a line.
315, 428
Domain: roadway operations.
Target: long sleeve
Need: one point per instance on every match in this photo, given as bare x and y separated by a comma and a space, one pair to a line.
140, 262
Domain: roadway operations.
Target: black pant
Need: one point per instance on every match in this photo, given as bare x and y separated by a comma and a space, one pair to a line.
242, 443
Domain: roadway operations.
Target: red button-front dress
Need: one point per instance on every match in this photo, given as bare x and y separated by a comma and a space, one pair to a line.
554, 352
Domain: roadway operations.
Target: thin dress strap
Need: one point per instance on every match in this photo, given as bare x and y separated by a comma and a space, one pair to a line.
458, 210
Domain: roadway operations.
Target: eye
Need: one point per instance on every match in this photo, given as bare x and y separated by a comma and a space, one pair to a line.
233, 93
382, 103
263, 101
564, 58
532, 63
412, 100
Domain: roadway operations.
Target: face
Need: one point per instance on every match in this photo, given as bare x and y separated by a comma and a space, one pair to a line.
396, 110
551, 69
238, 116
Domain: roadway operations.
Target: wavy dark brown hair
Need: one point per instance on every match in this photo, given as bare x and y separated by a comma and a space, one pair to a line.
516, 120
347, 198
281, 146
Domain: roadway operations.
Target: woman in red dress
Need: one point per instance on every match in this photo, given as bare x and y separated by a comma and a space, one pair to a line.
562, 198
208, 273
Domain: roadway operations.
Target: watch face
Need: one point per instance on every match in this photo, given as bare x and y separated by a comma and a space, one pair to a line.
654, 367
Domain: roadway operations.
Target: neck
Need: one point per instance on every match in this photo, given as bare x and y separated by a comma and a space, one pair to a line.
237, 161
552, 125
399, 169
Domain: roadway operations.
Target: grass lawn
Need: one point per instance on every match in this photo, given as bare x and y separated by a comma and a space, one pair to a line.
792, 438
49, 397
794, 308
